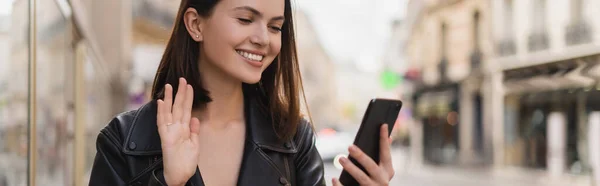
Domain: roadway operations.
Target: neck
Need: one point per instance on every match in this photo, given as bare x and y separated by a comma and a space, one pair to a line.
227, 105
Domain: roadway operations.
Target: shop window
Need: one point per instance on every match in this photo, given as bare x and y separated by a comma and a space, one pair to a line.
14, 63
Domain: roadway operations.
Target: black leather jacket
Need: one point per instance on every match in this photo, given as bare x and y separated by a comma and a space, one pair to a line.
129, 153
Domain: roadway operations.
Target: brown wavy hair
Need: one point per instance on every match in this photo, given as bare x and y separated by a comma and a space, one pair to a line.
278, 91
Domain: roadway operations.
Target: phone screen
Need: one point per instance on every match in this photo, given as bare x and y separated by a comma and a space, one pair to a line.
379, 112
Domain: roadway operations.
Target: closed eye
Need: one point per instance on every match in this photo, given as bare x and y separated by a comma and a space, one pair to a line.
245, 21
275, 28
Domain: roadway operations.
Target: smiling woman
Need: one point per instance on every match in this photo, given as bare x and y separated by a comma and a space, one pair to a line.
225, 107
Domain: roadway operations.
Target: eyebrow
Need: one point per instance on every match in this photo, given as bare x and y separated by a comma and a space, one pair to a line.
256, 12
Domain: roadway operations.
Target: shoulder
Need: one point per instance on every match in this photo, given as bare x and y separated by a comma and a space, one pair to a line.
122, 125
305, 134
309, 168
119, 126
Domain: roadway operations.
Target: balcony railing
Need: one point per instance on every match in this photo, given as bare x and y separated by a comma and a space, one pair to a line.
538, 41
578, 33
507, 47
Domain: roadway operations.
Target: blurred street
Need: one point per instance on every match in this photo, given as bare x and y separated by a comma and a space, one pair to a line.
428, 175
494, 92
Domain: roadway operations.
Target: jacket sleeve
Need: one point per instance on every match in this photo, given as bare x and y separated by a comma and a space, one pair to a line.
308, 162
110, 166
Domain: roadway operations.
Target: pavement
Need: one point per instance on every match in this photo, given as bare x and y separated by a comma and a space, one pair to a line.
407, 174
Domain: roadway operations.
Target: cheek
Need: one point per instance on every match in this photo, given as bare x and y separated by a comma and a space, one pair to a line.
275, 49
221, 38
232, 35
276, 46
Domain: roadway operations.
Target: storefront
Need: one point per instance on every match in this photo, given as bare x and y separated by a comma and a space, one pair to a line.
546, 116
437, 109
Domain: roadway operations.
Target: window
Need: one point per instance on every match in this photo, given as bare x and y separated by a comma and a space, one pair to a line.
506, 45
476, 51
577, 31
442, 66
538, 38
476, 36
576, 11
443, 41
14, 76
508, 18
38, 149
539, 15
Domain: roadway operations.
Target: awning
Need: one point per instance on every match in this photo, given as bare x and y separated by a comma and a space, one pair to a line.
547, 78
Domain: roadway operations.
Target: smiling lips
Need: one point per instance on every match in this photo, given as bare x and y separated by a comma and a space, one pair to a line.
252, 58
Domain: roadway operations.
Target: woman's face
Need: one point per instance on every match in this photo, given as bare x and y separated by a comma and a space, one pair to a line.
242, 37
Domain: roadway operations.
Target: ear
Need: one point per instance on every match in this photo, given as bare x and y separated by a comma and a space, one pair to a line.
194, 23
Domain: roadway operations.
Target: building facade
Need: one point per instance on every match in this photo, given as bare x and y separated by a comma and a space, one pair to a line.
446, 46
318, 74
546, 61
522, 77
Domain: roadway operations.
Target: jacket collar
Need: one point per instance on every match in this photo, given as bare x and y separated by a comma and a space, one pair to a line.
143, 138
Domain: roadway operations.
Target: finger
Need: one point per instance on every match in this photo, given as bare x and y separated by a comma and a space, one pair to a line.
168, 105
385, 155
159, 114
336, 182
178, 105
366, 161
187, 105
195, 130
356, 173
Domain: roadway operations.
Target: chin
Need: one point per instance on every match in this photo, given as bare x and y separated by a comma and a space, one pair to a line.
251, 79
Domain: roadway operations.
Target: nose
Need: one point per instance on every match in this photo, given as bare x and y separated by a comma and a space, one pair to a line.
260, 37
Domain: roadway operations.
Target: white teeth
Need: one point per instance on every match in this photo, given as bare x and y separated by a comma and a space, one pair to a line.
250, 56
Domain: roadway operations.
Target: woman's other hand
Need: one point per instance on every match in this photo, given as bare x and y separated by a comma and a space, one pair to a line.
178, 134
378, 174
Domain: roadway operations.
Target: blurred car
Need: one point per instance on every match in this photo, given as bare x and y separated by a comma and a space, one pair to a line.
332, 142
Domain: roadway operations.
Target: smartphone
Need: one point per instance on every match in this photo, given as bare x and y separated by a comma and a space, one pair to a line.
379, 112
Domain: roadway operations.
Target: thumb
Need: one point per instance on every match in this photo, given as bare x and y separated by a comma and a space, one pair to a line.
336, 182
195, 127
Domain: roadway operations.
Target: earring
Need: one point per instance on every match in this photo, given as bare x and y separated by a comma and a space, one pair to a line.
197, 36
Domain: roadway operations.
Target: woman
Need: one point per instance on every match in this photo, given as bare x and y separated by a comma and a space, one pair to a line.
234, 117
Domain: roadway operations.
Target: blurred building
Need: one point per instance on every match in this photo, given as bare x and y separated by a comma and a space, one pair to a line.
544, 85
396, 61
398, 76
151, 26
522, 79
81, 55
447, 42
318, 74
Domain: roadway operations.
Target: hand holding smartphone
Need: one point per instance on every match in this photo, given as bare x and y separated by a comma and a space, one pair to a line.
379, 112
